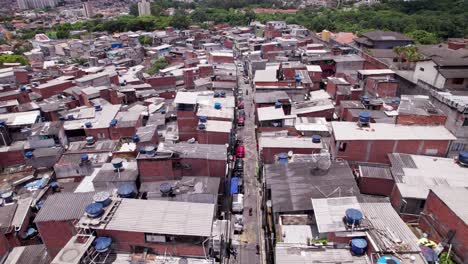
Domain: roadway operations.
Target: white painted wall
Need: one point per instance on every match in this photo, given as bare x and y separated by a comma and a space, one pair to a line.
429, 75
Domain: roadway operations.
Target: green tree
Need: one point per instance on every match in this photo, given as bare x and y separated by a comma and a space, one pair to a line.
80, 61
145, 40
180, 20
7, 58
407, 53
63, 34
423, 37
156, 66
133, 10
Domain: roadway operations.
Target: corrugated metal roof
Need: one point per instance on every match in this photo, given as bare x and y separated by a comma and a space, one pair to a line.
64, 206
163, 217
379, 172
21, 212
388, 230
34, 254
329, 212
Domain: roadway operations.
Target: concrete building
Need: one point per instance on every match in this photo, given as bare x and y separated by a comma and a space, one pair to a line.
382, 40
375, 142
88, 9
144, 8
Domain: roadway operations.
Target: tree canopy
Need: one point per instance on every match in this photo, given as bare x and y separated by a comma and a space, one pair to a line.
7, 58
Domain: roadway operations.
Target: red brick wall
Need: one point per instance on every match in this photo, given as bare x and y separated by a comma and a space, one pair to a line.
376, 186
205, 70
155, 170
95, 131
161, 81
55, 235
53, 89
382, 88
443, 219
328, 114
21, 77
376, 151
395, 198
331, 88
22, 97
4, 245
218, 138
203, 167
432, 120
221, 59
11, 158
123, 241
121, 132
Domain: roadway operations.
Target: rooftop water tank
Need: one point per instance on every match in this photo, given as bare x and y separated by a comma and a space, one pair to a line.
463, 158
150, 150
23, 88
94, 210
90, 140
88, 124
2, 123
97, 107
62, 118
387, 260
117, 163
102, 244
364, 118
7, 197
84, 157
102, 198
216, 94
353, 216
165, 188
113, 122
163, 111
136, 139
201, 126
222, 94
358, 246
298, 78
29, 154
217, 105
70, 117
126, 191
278, 104
203, 119
142, 150
283, 158
316, 138
365, 100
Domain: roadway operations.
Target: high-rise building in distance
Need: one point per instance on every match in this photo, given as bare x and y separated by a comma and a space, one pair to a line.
144, 8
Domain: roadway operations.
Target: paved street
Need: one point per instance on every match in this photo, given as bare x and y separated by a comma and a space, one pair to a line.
253, 234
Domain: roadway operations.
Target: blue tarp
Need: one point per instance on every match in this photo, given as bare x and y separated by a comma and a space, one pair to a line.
116, 45
234, 185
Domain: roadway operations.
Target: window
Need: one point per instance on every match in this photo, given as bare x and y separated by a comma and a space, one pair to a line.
101, 135
151, 238
342, 146
457, 80
421, 68
465, 121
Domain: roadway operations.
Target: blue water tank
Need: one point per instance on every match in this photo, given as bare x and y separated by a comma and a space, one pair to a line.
283, 158
142, 150
388, 260
201, 126
217, 105
203, 119
88, 124
102, 244
222, 94
358, 246
94, 210
113, 122
364, 118
7, 197
353, 216
463, 157
365, 100
102, 198
84, 157
278, 105
136, 139
316, 138
117, 163
216, 94
90, 140
29, 154
162, 111
70, 117
126, 191
298, 78
165, 188
97, 107
150, 150
62, 118
23, 88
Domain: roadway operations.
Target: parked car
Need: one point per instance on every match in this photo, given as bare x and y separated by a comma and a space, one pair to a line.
237, 203
238, 223
240, 121
240, 151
